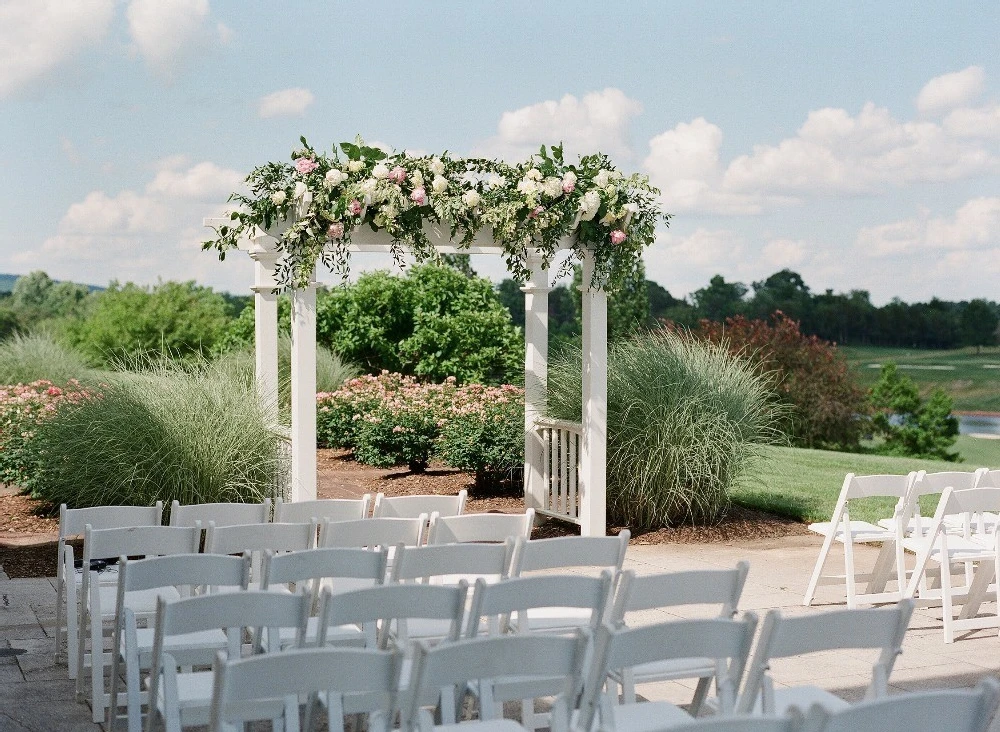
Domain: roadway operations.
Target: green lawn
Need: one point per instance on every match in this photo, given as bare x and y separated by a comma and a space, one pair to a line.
961, 373
804, 484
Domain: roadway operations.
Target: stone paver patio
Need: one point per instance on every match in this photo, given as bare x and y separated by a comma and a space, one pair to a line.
36, 695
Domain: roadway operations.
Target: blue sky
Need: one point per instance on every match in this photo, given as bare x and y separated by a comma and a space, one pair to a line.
857, 143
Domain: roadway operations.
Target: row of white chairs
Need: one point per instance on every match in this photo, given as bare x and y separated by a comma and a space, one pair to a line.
960, 539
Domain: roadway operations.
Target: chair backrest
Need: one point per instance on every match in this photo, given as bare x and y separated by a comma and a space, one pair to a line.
447, 563
721, 587
480, 527
222, 514
414, 506
139, 541
988, 478
195, 570
338, 569
606, 552
619, 648
259, 538
394, 603
868, 628
73, 521
242, 687
326, 509
515, 596
958, 480
486, 659
375, 532
956, 710
855, 487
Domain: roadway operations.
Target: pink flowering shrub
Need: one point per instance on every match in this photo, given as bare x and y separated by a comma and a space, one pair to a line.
22, 408
392, 419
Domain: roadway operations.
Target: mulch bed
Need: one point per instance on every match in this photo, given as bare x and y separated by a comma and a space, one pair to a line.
340, 477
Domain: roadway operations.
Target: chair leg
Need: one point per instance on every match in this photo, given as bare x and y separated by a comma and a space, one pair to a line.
700, 694
60, 598
849, 572
946, 600
818, 569
96, 665
72, 615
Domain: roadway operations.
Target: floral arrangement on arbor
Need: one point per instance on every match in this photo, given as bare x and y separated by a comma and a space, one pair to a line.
324, 198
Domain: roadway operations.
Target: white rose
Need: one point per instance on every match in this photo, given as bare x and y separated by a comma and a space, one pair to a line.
602, 178
552, 187
380, 171
334, 177
527, 186
437, 167
589, 204
611, 192
440, 184
300, 190
615, 174
632, 208
471, 198
278, 198
417, 178
355, 165
368, 186
534, 174
569, 177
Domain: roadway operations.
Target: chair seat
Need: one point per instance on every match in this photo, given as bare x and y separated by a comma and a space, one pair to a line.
140, 602
959, 549
669, 669
550, 619
194, 691
335, 634
861, 531
804, 697
426, 628
649, 716
186, 643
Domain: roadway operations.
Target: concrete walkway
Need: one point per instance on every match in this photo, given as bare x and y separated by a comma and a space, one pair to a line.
36, 695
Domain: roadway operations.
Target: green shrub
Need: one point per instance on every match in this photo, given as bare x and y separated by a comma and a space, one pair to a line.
908, 426
686, 420
484, 434
192, 434
28, 358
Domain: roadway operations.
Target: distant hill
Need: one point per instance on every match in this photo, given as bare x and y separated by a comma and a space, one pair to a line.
7, 283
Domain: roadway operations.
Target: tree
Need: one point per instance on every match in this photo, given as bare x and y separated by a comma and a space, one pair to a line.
170, 318
36, 297
785, 291
509, 293
628, 302
909, 426
434, 322
979, 323
720, 300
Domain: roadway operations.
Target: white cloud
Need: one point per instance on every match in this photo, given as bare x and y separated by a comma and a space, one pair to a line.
983, 122
974, 226
834, 152
36, 36
162, 29
949, 91
598, 121
285, 103
781, 253
145, 235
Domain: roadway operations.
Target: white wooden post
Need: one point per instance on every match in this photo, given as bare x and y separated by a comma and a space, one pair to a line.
536, 361
304, 393
593, 458
265, 302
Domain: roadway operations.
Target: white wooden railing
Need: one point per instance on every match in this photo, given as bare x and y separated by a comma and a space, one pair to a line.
560, 468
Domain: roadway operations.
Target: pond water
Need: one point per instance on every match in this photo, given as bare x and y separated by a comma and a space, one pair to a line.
977, 424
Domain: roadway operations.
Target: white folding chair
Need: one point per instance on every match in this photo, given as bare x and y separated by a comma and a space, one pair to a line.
323, 509
480, 527
448, 564
221, 514
934, 483
634, 593
187, 573
414, 506
781, 637
841, 528
374, 532
484, 661
258, 539
72, 522
98, 601
955, 710
945, 549
571, 552
181, 698
259, 687
726, 640
794, 721
338, 570
503, 608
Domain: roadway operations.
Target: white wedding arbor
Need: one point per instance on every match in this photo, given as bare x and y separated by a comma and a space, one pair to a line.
565, 462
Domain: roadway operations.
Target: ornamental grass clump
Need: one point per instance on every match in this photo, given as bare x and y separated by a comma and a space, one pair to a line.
168, 432
37, 356
686, 420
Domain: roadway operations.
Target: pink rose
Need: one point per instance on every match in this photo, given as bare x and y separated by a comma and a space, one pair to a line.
617, 236
534, 214
397, 175
355, 207
568, 186
419, 196
305, 165
336, 230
